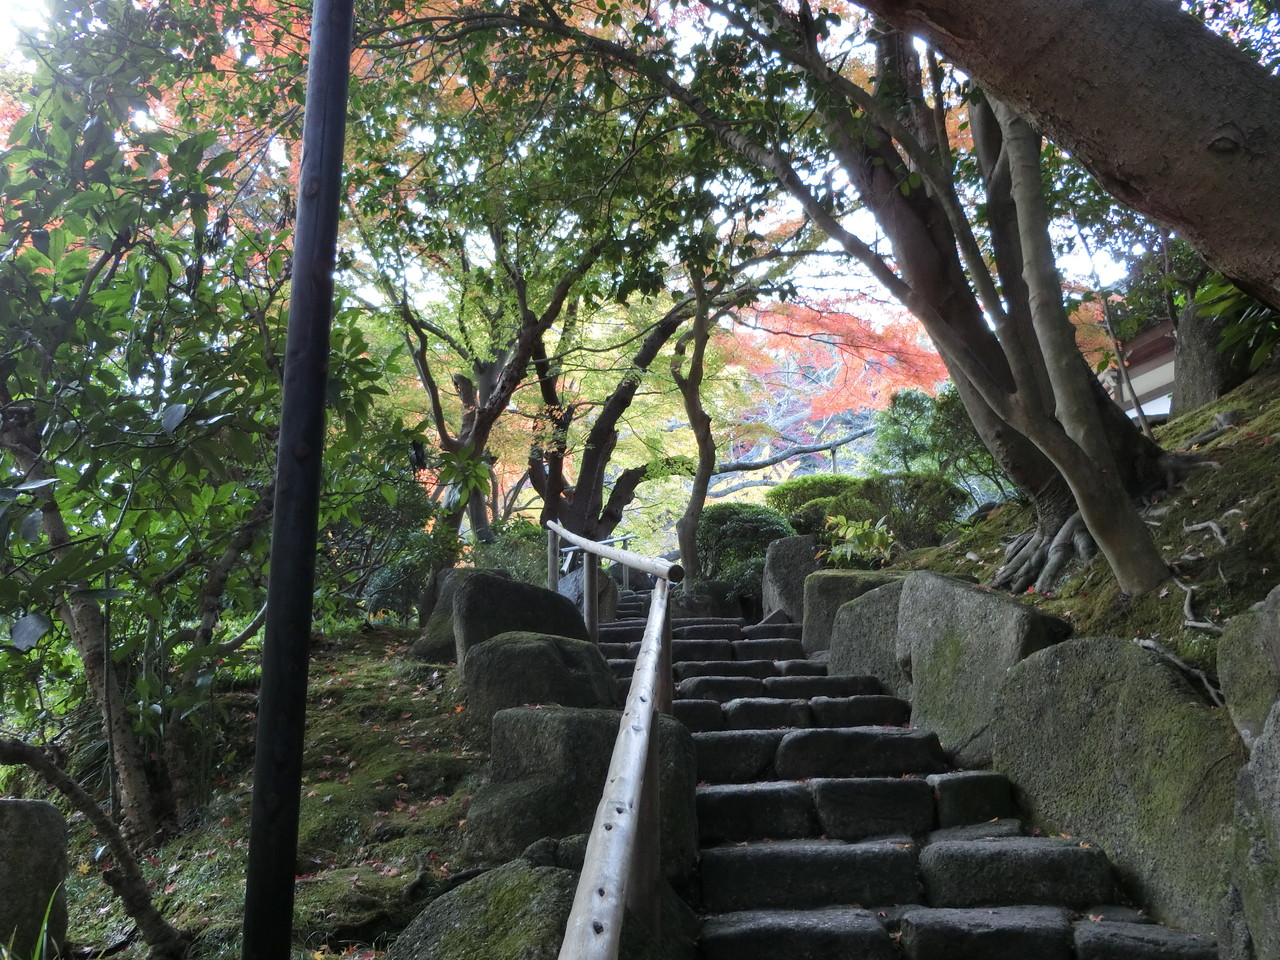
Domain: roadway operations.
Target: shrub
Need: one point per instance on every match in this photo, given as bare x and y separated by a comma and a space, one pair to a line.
519, 547
791, 495
812, 517
732, 540
920, 507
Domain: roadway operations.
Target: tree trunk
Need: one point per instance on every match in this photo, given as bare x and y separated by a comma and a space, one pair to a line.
690, 383
1169, 117
1081, 451
1202, 372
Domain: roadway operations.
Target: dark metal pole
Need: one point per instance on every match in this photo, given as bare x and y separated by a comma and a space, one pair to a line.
282, 704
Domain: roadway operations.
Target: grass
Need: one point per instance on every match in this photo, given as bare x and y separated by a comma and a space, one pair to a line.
388, 770
1241, 495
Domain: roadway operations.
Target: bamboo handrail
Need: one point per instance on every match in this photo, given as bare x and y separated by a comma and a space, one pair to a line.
621, 867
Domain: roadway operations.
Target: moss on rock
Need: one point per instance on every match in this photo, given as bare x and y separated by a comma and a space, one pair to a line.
1105, 740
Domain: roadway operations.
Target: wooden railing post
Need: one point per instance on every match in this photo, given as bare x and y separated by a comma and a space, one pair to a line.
591, 594
553, 560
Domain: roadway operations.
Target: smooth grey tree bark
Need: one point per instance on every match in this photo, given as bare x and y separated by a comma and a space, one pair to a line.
1171, 118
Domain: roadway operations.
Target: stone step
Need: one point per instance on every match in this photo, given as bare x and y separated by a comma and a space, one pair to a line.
1109, 940
736, 756
735, 623
808, 873
1001, 933
792, 631
740, 756
857, 752
972, 796
839, 809
1038, 871
824, 934
785, 687
621, 631
765, 713
726, 668
770, 648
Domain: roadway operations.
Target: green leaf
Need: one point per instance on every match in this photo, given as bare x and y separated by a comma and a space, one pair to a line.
32, 527
172, 416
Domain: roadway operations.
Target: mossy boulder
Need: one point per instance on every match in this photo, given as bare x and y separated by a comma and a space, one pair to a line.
956, 643
825, 592
485, 606
1255, 861
787, 563
518, 911
548, 768
864, 639
33, 870
1249, 665
521, 667
1105, 740
437, 643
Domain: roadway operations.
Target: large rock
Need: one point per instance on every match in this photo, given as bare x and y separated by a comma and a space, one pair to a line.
864, 639
825, 592
514, 669
548, 771
1105, 740
517, 911
486, 606
1255, 864
956, 642
437, 643
1249, 665
33, 870
786, 564
572, 585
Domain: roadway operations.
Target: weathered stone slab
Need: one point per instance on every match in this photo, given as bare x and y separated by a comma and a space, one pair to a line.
720, 688
699, 715
768, 648
796, 935
485, 606
1249, 666
1107, 940
766, 713
33, 871
1038, 871
1001, 933
857, 808
972, 796
1102, 739
825, 592
1255, 860
736, 756
517, 669
960, 642
867, 711
755, 811
437, 643
548, 768
864, 639
786, 564
807, 873
858, 752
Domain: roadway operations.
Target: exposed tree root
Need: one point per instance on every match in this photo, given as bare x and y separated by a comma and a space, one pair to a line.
1038, 558
1207, 525
1196, 676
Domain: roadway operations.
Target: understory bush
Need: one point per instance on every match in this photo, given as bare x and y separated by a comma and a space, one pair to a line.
732, 540
791, 495
918, 508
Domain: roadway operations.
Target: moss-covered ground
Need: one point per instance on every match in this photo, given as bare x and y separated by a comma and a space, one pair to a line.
1236, 487
389, 768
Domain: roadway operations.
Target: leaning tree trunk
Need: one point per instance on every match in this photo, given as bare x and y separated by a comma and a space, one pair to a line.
1080, 450
1171, 118
690, 384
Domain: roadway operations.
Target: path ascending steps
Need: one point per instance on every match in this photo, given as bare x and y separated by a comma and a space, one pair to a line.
832, 830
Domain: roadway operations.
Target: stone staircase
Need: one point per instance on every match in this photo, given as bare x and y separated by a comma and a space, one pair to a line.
832, 830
